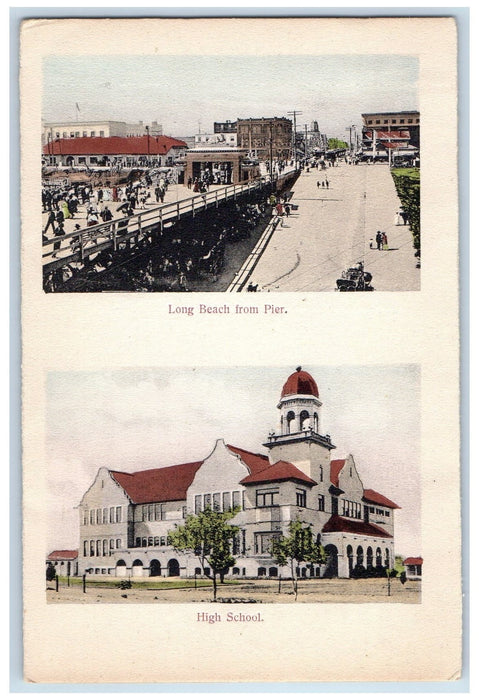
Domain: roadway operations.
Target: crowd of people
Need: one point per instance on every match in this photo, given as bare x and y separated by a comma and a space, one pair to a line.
189, 252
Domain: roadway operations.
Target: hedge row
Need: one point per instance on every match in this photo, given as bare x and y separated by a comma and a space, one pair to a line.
408, 187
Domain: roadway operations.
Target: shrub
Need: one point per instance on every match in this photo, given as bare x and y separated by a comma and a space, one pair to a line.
124, 585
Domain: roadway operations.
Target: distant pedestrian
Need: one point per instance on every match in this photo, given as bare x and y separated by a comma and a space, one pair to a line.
397, 219
317, 184
287, 209
327, 183
384, 241
370, 242
59, 231
379, 240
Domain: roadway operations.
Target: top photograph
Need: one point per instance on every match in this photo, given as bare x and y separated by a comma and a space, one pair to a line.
207, 173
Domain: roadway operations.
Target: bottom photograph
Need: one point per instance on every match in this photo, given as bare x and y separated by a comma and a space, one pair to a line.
234, 485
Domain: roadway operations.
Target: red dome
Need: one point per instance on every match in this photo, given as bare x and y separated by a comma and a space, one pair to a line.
300, 383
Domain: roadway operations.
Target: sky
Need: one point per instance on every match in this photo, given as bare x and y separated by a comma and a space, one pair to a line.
135, 419
188, 93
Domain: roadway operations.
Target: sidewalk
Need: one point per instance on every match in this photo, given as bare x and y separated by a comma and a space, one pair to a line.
331, 231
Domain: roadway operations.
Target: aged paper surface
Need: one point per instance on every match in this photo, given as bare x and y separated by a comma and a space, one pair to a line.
85, 335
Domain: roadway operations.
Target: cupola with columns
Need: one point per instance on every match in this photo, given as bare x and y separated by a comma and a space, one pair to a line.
299, 439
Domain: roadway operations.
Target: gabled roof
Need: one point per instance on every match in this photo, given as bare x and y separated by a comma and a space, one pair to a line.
335, 467
375, 497
63, 554
413, 561
279, 471
158, 485
113, 145
338, 524
254, 461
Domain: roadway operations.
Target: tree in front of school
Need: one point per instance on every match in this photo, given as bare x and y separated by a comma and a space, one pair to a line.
296, 549
51, 571
209, 535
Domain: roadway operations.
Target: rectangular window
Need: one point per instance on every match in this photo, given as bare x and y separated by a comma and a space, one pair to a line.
151, 512
92, 133
266, 498
105, 515
409, 121
85, 517
118, 514
386, 512
138, 541
118, 544
162, 541
85, 548
102, 133
65, 135
112, 514
263, 542
236, 499
92, 517
112, 545
98, 548
183, 512
226, 501
72, 134
92, 548
321, 503
150, 541
198, 504
206, 500
77, 134
144, 513
84, 133
301, 498
98, 516
217, 501
105, 547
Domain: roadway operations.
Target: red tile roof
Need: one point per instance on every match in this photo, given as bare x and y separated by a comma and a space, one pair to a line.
300, 382
338, 524
279, 471
375, 497
254, 461
113, 145
413, 561
336, 466
156, 485
63, 554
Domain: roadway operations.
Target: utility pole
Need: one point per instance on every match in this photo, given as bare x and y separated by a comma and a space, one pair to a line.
294, 113
350, 129
305, 141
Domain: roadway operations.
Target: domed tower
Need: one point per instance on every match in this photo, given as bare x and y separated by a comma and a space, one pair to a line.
299, 439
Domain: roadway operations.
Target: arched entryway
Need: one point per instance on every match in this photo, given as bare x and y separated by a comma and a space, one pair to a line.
369, 556
120, 569
137, 568
360, 556
173, 568
155, 568
331, 568
349, 553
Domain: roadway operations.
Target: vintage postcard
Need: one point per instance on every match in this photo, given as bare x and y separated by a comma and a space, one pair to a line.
205, 473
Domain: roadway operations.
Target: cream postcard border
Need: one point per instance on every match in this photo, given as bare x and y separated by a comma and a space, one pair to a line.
90, 331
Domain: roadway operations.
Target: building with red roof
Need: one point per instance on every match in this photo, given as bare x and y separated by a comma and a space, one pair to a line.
413, 566
125, 518
114, 151
65, 561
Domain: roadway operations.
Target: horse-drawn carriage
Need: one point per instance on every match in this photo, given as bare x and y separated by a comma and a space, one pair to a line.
355, 279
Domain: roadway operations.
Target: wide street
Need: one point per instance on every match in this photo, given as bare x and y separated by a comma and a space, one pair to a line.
332, 229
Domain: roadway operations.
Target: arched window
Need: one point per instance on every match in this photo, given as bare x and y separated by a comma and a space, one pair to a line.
262, 571
85, 548
98, 548
157, 542
92, 548
118, 544
378, 557
369, 556
316, 423
105, 548
386, 559
304, 421
289, 419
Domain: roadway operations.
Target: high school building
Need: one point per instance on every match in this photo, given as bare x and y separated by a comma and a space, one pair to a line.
125, 518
